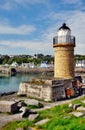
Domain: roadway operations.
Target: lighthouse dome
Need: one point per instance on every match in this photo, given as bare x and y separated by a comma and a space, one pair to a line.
64, 30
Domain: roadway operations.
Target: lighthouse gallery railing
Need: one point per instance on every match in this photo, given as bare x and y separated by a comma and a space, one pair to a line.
64, 40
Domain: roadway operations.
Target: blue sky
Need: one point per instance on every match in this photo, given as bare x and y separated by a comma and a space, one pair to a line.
28, 26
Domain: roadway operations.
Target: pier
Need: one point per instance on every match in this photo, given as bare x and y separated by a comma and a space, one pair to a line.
35, 70
45, 70
7, 71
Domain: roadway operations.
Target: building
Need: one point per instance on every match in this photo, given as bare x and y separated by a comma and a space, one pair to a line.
27, 65
80, 63
14, 64
64, 45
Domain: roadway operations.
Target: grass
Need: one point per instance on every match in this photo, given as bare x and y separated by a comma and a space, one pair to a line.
70, 123
17, 124
55, 111
60, 118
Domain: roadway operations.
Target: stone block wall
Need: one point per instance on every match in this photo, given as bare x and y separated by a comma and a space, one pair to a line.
64, 62
35, 91
48, 90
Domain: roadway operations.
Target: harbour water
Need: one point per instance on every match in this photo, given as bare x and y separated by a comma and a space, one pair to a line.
11, 83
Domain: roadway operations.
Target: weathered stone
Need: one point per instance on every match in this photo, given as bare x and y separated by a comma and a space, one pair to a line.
23, 89
64, 59
8, 106
24, 111
48, 90
81, 108
78, 114
42, 122
33, 117
40, 91
31, 102
83, 101
21, 104
75, 106
58, 90
70, 105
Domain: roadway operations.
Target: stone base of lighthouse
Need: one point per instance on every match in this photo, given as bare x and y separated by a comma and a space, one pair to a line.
48, 89
62, 89
64, 62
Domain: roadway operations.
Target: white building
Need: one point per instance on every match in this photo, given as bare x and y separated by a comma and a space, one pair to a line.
27, 65
14, 64
80, 63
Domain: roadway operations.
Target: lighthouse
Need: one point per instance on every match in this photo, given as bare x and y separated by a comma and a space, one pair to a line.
63, 45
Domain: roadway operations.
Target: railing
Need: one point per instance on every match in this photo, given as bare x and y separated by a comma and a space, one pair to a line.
64, 39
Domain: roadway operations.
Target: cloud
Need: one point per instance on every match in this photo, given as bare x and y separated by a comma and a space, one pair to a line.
32, 46
20, 30
5, 6
11, 4
77, 24
73, 1
74, 4
29, 1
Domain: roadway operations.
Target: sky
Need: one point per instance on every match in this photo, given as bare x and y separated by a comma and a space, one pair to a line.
28, 26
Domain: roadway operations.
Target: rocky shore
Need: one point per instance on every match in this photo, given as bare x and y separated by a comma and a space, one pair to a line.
14, 108
8, 95
26, 111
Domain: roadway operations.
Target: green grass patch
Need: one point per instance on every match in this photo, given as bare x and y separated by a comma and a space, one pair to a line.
55, 111
70, 123
17, 124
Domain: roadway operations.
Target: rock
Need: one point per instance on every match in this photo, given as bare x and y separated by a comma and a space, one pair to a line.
19, 129
21, 104
78, 114
42, 122
22, 89
25, 111
83, 101
8, 106
31, 102
70, 105
30, 128
33, 117
81, 109
7, 93
75, 106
